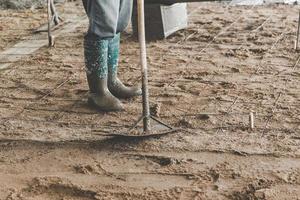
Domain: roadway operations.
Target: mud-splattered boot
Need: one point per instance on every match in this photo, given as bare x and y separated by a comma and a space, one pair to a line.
96, 54
116, 87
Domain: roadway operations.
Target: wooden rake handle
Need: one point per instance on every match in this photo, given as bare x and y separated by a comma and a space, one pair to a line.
144, 67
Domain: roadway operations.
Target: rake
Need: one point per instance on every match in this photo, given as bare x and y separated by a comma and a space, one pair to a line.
146, 119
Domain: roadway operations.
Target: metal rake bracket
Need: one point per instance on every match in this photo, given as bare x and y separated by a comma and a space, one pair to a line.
158, 129
136, 132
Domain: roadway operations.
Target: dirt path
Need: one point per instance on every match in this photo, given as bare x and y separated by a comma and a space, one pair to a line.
206, 79
55, 170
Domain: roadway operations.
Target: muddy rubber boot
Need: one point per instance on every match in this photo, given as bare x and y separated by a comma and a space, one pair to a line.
95, 53
100, 97
115, 86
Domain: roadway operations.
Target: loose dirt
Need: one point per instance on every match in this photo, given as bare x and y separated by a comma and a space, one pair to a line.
205, 80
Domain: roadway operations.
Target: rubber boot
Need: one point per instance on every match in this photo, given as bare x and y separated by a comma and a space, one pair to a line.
96, 54
116, 87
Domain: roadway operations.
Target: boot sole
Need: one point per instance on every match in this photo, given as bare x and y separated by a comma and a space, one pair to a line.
127, 97
92, 104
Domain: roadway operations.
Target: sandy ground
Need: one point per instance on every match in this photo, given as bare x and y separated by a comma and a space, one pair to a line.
205, 80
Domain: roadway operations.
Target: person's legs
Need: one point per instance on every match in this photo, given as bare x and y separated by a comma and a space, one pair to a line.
96, 53
116, 87
107, 18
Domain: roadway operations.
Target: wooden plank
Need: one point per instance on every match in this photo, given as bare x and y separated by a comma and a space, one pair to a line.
33, 43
